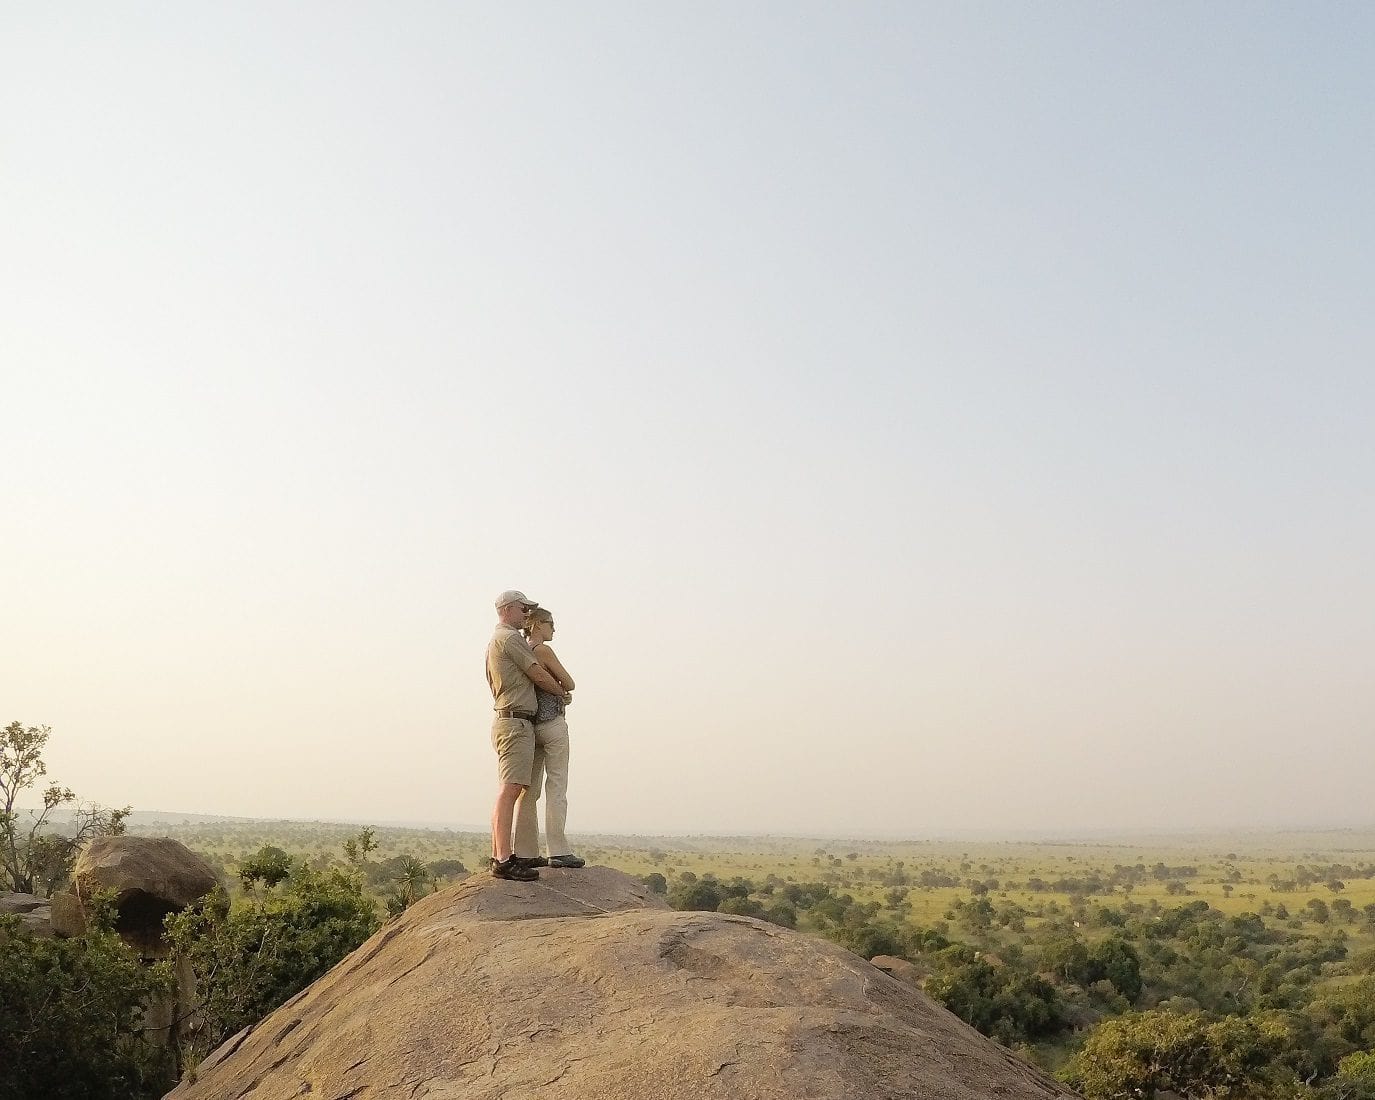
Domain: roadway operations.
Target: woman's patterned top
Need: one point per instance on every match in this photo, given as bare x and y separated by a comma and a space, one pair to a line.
549, 706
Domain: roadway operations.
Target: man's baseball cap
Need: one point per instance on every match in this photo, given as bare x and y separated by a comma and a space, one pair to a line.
512, 596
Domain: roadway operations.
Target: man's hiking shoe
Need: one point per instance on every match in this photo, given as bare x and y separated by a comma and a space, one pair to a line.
511, 867
532, 861
567, 861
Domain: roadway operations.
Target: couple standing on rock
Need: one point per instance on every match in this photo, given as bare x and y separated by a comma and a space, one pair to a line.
530, 690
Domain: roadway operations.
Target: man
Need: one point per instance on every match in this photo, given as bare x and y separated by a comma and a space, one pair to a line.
512, 673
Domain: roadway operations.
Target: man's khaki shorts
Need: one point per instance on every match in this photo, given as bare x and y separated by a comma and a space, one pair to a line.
514, 741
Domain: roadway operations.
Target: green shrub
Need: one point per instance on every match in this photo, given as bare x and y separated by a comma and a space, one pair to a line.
1142, 1053
255, 957
997, 1000
71, 1014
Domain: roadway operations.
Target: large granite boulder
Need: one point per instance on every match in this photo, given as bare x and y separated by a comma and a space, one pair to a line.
901, 969
34, 913
149, 877
584, 986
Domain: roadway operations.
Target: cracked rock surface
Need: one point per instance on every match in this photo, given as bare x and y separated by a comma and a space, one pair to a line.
584, 986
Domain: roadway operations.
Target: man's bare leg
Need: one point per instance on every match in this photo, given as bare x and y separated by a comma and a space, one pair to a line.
502, 815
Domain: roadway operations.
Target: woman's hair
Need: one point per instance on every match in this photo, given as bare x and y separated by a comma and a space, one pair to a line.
536, 615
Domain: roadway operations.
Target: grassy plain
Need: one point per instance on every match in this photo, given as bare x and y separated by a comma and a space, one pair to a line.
1234, 873
1009, 903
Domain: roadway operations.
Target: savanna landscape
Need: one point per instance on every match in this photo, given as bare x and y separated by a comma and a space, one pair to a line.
935, 438
1206, 964
1226, 964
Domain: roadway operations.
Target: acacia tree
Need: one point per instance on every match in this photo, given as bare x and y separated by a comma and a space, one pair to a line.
1145, 1053
34, 856
1355, 1079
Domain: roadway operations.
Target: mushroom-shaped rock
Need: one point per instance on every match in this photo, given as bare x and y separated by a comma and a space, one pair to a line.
584, 985
149, 876
34, 913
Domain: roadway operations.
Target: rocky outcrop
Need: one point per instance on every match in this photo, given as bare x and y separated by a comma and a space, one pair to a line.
901, 969
584, 986
149, 877
34, 913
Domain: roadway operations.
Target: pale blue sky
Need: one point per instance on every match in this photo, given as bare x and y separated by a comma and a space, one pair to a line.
919, 417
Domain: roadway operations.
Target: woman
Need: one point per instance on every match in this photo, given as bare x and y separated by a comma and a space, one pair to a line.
551, 758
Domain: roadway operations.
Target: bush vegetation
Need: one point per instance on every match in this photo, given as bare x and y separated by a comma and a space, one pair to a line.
1199, 973
71, 1016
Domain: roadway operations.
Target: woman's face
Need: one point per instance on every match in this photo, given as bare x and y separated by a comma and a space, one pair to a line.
543, 630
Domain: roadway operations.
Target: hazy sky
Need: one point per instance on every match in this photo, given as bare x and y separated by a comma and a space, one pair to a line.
919, 417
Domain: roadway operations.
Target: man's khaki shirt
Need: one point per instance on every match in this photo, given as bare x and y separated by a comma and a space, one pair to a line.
508, 663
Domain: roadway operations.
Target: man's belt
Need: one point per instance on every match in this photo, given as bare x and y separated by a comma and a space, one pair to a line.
511, 712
